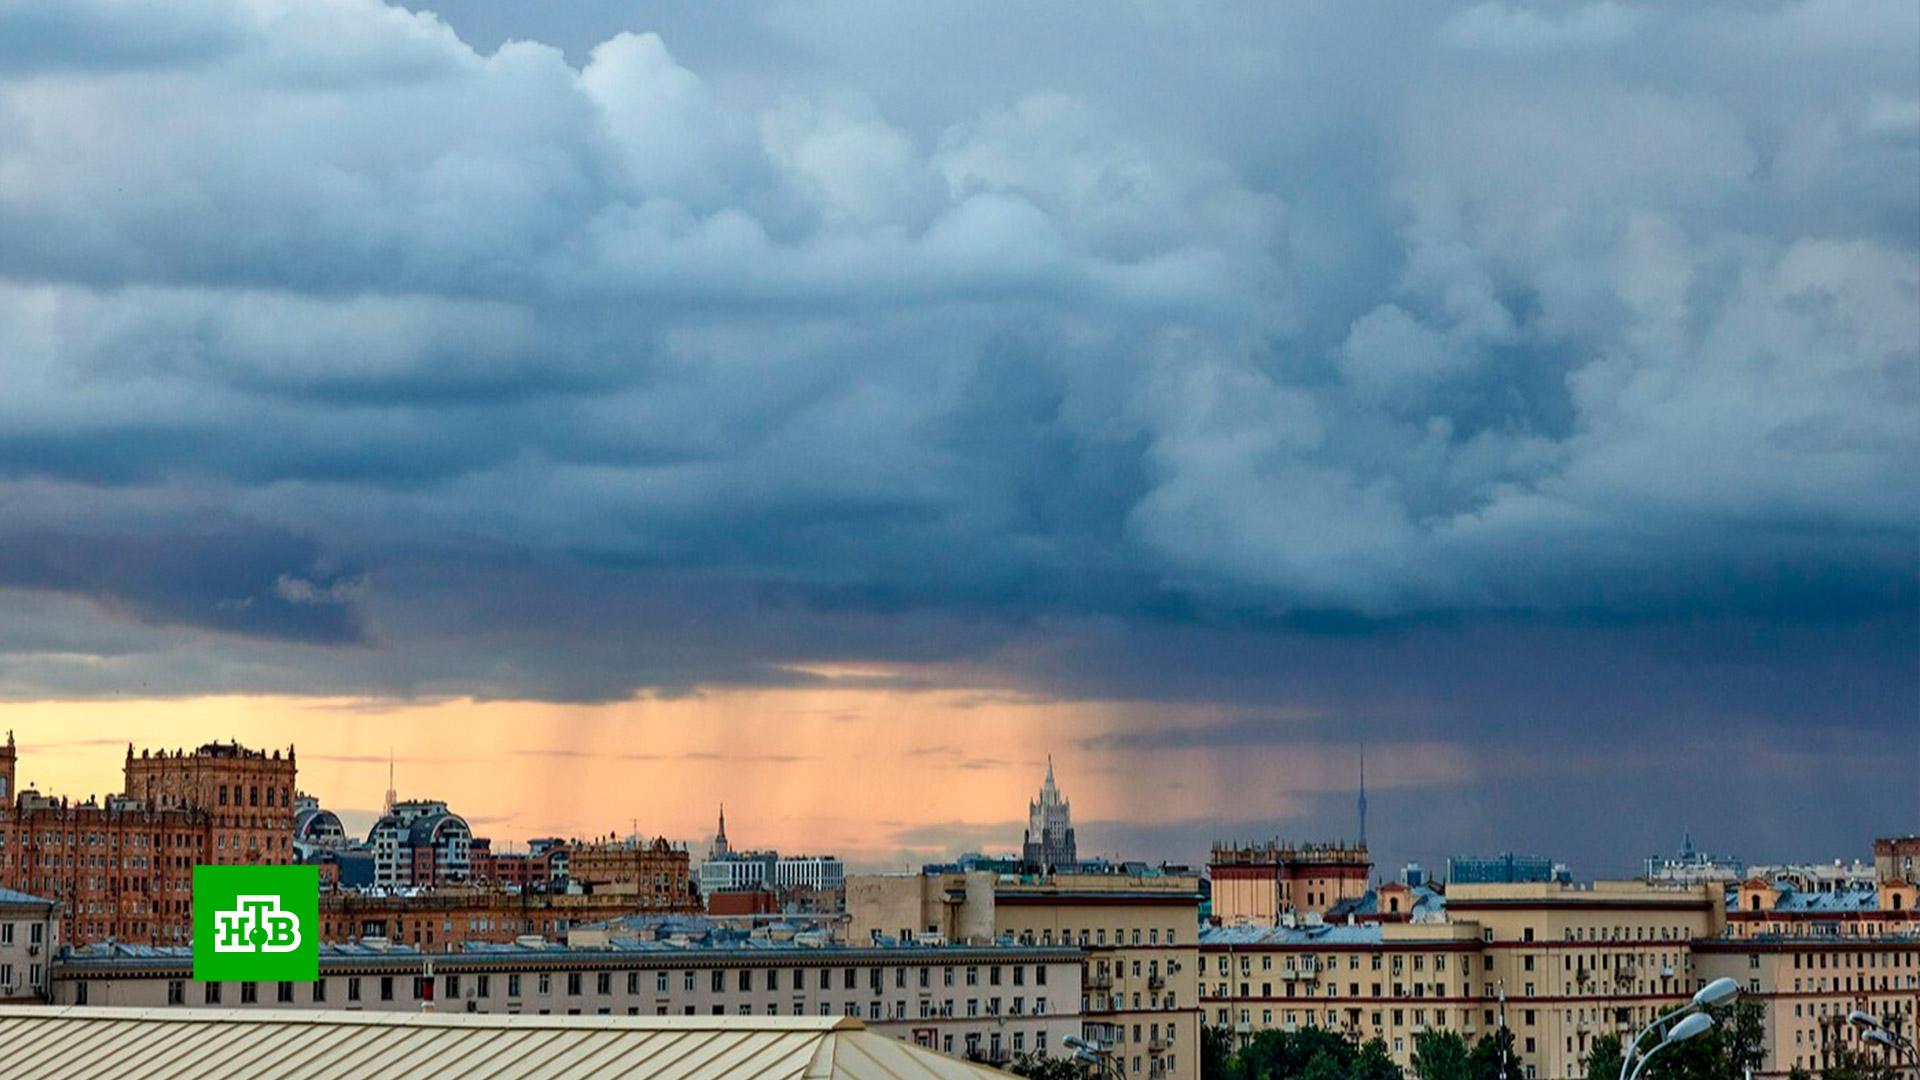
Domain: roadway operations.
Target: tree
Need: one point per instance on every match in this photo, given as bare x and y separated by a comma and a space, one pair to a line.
1849, 1065
1724, 1052
1217, 1060
1285, 1055
1324, 1065
1373, 1063
1746, 1046
1042, 1067
1603, 1061
1493, 1056
1442, 1055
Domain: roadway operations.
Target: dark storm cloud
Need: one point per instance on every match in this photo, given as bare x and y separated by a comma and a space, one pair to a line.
1495, 369
233, 579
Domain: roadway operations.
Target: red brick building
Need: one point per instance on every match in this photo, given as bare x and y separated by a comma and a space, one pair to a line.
122, 868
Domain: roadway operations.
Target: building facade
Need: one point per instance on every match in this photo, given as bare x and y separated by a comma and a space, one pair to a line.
29, 940
1505, 868
450, 916
1049, 842
420, 843
1561, 965
1557, 964
1259, 883
122, 867
653, 873
990, 1003
1138, 929
1897, 858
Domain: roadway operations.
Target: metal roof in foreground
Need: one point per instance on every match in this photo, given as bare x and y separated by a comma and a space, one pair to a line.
82, 1042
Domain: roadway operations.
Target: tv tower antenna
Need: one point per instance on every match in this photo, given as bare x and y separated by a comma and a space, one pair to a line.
1363, 795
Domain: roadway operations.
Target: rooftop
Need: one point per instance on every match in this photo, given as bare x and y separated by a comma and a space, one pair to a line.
1317, 934
14, 896
80, 1041
1791, 899
731, 945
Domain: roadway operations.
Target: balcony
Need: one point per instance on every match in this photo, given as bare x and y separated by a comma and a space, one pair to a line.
1159, 1046
1156, 982
1100, 980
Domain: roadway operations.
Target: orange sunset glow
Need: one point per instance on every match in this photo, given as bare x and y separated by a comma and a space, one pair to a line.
875, 775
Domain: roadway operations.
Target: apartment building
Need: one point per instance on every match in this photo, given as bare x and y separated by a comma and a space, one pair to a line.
450, 916
29, 939
1557, 964
990, 1003
1811, 956
1137, 926
654, 873
122, 867
1561, 965
1260, 883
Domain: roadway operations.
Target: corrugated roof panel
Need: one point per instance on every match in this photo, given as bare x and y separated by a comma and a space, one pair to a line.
161, 1044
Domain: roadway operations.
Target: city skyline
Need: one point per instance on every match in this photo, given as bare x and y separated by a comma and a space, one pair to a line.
834, 408
817, 835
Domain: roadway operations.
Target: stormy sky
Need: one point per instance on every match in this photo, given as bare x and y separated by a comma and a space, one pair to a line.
1196, 391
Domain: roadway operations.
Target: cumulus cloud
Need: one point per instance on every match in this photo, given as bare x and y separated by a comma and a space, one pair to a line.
1464, 316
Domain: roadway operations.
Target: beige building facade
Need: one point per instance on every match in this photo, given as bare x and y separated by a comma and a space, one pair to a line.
29, 939
1261, 883
1558, 964
1562, 965
990, 1004
1138, 930
1807, 986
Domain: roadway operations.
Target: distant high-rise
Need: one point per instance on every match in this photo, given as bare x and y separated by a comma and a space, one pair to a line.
1502, 869
720, 848
1049, 841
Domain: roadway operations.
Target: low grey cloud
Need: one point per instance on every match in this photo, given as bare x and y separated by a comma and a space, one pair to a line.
1273, 357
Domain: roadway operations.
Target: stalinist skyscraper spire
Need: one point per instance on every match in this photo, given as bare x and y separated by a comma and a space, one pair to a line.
1049, 841
720, 849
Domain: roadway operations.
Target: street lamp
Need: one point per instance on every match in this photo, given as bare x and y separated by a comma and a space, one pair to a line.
1095, 1053
1872, 1030
1691, 1025
1689, 1021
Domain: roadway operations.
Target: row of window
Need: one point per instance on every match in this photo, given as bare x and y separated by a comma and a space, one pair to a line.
451, 987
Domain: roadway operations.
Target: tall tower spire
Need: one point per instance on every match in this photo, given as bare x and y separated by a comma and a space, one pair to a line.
392, 796
1049, 841
1363, 795
720, 848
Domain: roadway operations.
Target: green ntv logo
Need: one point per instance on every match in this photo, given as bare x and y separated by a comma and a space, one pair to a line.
256, 923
